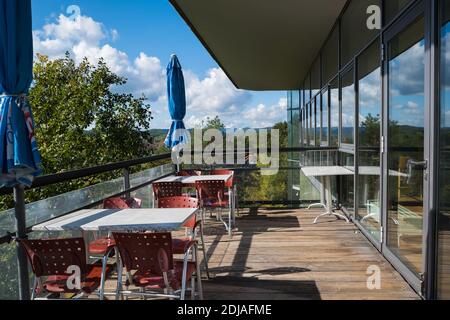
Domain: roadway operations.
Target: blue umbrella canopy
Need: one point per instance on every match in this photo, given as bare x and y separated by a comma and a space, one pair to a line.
177, 103
20, 161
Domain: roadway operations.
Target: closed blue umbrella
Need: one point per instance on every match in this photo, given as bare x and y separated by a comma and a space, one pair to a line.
177, 103
20, 161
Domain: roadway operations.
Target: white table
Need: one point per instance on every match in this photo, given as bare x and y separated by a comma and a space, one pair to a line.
231, 193
325, 174
116, 220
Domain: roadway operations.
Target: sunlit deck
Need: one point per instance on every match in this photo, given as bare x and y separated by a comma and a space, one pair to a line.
280, 254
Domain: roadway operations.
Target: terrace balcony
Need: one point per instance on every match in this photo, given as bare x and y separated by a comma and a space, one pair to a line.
276, 251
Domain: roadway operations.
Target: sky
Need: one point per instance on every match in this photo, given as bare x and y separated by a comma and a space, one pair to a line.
136, 39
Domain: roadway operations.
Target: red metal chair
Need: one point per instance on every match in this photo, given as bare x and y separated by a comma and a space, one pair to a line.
230, 185
195, 226
50, 260
212, 196
166, 190
157, 274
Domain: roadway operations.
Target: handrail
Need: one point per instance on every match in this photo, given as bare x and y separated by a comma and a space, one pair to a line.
86, 172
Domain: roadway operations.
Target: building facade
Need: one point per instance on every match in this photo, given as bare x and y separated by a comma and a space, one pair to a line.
378, 101
369, 89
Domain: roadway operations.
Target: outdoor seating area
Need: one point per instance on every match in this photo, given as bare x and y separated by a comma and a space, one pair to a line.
138, 248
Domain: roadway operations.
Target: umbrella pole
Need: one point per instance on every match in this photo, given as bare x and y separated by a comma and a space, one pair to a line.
22, 262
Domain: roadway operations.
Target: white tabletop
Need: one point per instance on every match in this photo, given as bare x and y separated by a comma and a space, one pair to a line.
193, 179
326, 171
120, 220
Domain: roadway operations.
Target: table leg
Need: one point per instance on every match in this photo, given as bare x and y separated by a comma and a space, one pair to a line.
329, 202
322, 203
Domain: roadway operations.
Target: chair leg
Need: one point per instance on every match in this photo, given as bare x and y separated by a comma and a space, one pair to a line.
199, 276
192, 288
119, 280
103, 276
183, 280
205, 257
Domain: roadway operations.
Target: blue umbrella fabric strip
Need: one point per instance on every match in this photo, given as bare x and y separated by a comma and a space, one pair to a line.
176, 95
20, 160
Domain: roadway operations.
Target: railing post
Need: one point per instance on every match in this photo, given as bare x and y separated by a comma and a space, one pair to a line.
126, 181
21, 232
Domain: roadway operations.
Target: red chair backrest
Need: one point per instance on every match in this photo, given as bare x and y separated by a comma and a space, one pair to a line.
134, 203
211, 189
220, 172
167, 189
53, 256
148, 252
115, 203
188, 173
178, 202
181, 202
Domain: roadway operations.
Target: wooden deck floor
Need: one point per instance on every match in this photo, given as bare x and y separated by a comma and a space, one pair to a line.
282, 255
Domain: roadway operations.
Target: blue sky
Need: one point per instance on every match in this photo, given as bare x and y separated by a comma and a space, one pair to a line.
138, 37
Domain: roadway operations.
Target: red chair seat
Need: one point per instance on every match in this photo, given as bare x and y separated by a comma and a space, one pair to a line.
89, 283
152, 281
214, 203
101, 246
179, 246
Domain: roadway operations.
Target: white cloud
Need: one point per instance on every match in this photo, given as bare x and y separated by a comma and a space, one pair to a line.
214, 94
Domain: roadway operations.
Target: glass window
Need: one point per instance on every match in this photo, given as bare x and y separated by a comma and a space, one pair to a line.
301, 97
334, 113
307, 124
369, 121
315, 78
312, 123
295, 128
443, 252
393, 7
405, 144
347, 160
307, 86
348, 108
330, 56
354, 31
289, 122
295, 99
317, 121
289, 99
324, 120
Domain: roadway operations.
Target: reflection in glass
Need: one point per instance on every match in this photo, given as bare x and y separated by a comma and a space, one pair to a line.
334, 113
324, 120
348, 108
406, 74
369, 170
443, 270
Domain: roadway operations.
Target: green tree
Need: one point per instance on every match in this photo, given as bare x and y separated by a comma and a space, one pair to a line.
80, 120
